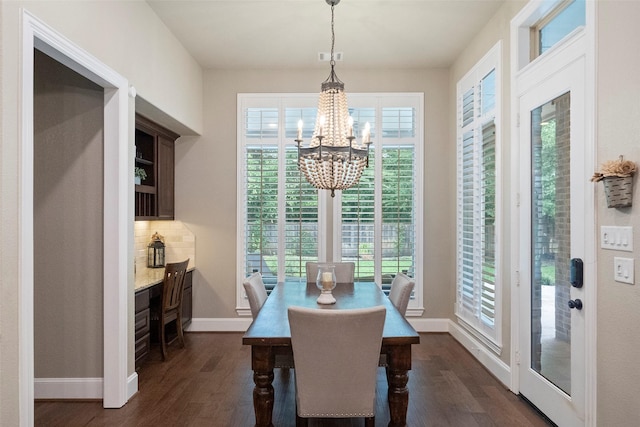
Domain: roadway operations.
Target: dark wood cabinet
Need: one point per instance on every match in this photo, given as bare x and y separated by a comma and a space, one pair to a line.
142, 325
155, 148
187, 300
146, 329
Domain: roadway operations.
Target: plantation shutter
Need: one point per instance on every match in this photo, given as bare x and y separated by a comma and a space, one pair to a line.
488, 218
261, 225
468, 204
398, 218
477, 276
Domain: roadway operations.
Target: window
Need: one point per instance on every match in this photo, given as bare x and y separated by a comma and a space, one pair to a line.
283, 222
478, 290
566, 17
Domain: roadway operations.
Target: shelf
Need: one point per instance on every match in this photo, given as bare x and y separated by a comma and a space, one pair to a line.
143, 161
141, 188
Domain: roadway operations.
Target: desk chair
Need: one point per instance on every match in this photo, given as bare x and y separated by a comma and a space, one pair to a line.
336, 355
344, 271
257, 295
170, 309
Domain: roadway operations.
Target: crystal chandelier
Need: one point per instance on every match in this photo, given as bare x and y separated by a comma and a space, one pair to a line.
334, 160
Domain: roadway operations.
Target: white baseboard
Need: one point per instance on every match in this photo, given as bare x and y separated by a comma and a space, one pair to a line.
497, 367
68, 388
219, 325
242, 324
132, 385
429, 325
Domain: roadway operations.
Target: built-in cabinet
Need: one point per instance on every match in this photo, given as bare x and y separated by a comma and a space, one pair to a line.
146, 329
154, 195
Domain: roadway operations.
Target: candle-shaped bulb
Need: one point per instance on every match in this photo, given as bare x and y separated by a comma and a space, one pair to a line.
300, 129
350, 126
322, 119
366, 133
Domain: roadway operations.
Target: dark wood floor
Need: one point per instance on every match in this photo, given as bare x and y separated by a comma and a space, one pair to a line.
210, 384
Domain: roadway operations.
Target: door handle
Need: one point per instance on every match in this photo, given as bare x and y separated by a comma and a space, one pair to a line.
575, 275
575, 303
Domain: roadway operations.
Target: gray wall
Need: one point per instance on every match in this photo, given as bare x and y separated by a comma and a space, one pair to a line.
496, 29
618, 133
68, 209
206, 177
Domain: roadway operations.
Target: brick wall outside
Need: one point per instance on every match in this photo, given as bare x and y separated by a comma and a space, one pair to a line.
563, 218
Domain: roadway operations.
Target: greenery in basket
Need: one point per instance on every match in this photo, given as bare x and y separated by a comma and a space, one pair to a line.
140, 173
615, 168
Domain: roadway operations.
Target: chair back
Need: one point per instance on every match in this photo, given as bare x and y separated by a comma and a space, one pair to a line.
256, 292
400, 292
336, 355
344, 271
173, 285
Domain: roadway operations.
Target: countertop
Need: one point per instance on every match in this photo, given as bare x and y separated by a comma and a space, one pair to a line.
147, 277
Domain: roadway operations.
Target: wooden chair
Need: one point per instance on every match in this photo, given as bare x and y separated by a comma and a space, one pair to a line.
257, 295
336, 356
171, 303
344, 271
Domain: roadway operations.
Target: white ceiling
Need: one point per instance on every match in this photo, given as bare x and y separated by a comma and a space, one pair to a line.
272, 34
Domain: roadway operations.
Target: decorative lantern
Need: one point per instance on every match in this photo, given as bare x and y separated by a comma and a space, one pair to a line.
326, 282
155, 251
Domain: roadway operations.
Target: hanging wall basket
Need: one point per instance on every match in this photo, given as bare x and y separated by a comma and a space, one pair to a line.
618, 191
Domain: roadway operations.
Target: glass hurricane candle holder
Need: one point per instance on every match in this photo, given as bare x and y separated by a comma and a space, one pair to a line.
326, 282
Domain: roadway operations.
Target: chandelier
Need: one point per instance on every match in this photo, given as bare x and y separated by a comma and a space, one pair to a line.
334, 160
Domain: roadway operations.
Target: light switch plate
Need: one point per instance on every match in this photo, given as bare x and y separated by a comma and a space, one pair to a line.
623, 270
616, 238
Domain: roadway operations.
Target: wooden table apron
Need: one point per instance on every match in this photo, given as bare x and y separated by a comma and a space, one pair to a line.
270, 334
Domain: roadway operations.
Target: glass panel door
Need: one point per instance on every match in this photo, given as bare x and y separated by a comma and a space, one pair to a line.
551, 242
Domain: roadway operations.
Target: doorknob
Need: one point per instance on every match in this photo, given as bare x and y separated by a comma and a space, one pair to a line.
576, 303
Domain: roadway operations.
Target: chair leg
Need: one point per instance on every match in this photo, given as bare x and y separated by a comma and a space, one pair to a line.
301, 422
370, 422
163, 342
179, 328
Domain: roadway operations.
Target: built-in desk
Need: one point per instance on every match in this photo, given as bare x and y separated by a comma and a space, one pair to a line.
148, 285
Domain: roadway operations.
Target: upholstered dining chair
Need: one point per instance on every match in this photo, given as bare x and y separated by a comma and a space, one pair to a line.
400, 293
256, 292
344, 271
257, 295
170, 309
336, 356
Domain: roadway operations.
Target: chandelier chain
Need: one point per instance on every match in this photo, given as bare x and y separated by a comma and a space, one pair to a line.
333, 37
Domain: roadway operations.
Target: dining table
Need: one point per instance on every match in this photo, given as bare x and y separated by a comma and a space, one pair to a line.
269, 334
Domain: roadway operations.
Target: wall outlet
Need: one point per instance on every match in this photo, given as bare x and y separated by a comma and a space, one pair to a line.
623, 270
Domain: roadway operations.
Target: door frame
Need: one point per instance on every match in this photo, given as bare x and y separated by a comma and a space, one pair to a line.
117, 220
581, 42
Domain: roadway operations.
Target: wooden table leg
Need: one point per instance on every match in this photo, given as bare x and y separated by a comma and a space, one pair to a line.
399, 364
262, 363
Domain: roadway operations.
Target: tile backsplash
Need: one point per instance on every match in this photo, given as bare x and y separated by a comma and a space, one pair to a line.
179, 241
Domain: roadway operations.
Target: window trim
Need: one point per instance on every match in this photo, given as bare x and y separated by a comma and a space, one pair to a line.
492, 60
329, 245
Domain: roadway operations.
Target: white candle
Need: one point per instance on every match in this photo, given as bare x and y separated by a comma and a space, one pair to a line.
327, 276
350, 126
366, 133
321, 125
300, 129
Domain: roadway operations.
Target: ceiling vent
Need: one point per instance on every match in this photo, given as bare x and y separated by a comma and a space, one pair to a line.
326, 56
